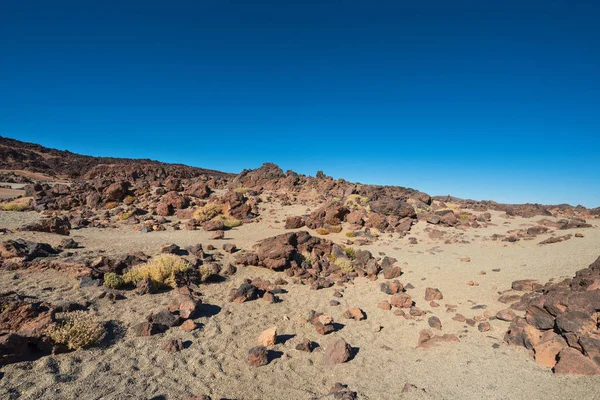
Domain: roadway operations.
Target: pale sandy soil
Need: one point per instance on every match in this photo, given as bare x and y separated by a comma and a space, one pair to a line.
479, 366
10, 193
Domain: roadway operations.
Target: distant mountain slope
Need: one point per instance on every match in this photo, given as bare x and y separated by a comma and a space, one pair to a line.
17, 155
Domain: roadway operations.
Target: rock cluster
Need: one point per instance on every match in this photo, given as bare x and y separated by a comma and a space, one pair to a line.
561, 324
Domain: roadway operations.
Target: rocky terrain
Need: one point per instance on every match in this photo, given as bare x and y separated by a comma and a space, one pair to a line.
139, 279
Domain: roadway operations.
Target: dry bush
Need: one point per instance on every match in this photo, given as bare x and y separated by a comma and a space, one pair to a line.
160, 269
16, 207
129, 200
113, 281
110, 205
335, 229
228, 221
323, 231
241, 190
77, 330
208, 212
345, 265
350, 234
126, 215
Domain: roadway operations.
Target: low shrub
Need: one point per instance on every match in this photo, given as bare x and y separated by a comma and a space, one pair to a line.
110, 205
208, 212
350, 234
129, 200
126, 215
350, 253
323, 231
228, 221
113, 280
335, 229
16, 207
241, 190
160, 269
345, 265
77, 330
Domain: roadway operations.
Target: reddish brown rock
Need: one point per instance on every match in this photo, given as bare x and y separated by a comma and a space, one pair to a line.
384, 305
173, 345
506, 315
433, 294
401, 300
484, 327
355, 313
337, 352
428, 339
547, 350
572, 362
188, 325
258, 356
539, 317
294, 222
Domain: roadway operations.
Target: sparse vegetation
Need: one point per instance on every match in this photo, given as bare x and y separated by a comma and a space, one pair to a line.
126, 215
77, 330
160, 269
350, 253
350, 234
110, 205
306, 256
323, 231
16, 207
335, 229
241, 190
356, 201
129, 200
464, 217
113, 280
345, 265
208, 212
229, 221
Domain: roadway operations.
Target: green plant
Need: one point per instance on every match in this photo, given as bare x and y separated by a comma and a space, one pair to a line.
331, 257
350, 234
356, 201
160, 269
323, 231
208, 212
228, 221
113, 280
16, 207
345, 265
77, 330
350, 253
464, 217
126, 215
241, 190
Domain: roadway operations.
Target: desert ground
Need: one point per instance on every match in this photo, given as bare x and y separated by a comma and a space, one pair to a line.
214, 361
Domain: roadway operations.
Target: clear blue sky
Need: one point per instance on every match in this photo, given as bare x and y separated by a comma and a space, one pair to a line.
487, 100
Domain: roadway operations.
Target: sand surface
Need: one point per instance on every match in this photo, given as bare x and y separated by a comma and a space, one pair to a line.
481, 365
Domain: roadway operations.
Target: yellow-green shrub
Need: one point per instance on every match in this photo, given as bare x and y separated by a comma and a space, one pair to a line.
207, 212
16, 207
350, 253
345, 265
323, 231
78, 330
113, 281
160, 269
241, 190
228, 221
350, 234
126, 215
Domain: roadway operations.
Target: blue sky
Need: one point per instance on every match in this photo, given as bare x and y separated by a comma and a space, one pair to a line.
483, 100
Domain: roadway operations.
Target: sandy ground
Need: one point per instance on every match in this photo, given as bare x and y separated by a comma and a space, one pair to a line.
10, 193
479, 366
